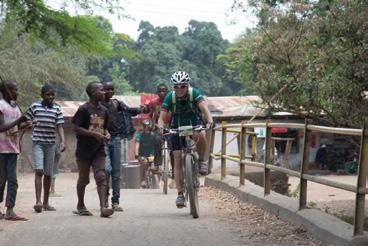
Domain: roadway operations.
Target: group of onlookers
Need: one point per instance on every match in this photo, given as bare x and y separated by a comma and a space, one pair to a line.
46, 119
100, 125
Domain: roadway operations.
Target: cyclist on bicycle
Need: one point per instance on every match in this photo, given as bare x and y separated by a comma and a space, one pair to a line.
145, 147
186, 105
153, 107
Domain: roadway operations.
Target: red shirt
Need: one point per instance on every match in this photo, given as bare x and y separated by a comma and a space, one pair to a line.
155, 108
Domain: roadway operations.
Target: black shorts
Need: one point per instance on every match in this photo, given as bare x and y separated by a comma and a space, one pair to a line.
177, 143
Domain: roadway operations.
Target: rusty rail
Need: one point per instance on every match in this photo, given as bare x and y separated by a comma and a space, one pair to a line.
243, 129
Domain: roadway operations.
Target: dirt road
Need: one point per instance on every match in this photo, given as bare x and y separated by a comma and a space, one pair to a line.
150, 218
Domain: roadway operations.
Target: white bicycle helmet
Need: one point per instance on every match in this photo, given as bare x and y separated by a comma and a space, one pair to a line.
147, 123
180, 78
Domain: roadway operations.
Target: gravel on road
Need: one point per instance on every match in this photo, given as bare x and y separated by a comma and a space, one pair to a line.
255, 226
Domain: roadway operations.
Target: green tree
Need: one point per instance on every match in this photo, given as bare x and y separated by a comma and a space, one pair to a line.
159, 54
33, 66
109, 68
203, 43
58, 27
241, 63
162, 51
312, 54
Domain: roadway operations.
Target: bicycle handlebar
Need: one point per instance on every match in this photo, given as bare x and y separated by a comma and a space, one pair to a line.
171, 131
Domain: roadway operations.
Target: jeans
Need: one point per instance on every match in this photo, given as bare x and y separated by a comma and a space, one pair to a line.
43, 157
55, 168
158, 148
8, 173
125, 147
113, 166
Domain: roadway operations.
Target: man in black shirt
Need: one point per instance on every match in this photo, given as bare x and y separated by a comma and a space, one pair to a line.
90, 126
113, 146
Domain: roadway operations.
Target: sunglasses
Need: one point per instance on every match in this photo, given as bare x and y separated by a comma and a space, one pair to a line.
180, 86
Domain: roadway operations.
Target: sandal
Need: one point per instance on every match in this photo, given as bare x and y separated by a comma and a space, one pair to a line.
49, 208
117, 208
38, 208
14, 218
82, 212
106, 212
2, 216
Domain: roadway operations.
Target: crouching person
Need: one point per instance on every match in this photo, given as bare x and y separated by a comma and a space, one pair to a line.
90, 122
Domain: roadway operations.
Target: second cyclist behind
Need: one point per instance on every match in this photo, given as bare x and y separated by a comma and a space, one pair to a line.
145, 147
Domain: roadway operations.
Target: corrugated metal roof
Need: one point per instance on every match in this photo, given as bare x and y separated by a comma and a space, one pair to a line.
69, 107
224, 106
131, 101
233, 106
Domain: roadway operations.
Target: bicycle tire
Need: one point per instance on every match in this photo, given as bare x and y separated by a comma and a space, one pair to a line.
148, 181
191, 189
165, 175
155, 181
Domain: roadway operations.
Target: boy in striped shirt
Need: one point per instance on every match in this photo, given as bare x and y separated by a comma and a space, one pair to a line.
47, 119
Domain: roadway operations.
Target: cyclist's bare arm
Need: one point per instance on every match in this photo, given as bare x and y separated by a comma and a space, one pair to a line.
202, 105
162, 119
137, 148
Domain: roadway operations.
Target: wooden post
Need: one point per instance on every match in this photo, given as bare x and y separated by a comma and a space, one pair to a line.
361, 182
273, 158
304, 167
267, 159
243, 136
212, 144
254, 147
287, 153
238, 142
223, 150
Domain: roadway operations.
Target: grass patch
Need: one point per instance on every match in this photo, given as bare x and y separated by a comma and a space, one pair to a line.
295, 192
350, 220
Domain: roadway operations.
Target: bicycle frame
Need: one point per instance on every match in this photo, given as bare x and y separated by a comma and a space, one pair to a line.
165, 160
189, 161
190, 148
152, 179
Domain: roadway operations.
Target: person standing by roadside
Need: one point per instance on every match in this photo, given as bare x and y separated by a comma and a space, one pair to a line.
90, 125
115, 125
11, 120
47, 119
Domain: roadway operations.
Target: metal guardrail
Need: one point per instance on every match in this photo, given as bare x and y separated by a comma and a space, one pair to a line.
248, 160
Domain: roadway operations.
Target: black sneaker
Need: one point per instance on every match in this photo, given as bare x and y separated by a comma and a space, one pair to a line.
203, 168
180, 200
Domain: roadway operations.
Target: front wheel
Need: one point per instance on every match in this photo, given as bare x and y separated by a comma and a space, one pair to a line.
165, 175
191, 187
155, 181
